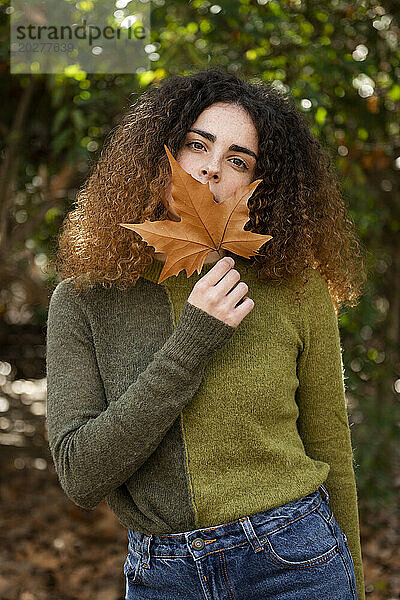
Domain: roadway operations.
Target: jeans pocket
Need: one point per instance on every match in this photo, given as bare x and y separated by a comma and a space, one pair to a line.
304, 542
345, 538
346, 544
346, 555
133, 566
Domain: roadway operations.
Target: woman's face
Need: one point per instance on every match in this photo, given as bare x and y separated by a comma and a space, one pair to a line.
220, 149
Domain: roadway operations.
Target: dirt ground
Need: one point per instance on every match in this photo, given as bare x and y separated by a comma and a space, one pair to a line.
50, 549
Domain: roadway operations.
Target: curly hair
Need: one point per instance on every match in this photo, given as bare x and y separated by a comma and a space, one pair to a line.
298, 202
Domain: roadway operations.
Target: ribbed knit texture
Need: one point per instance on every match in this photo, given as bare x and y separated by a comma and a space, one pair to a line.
181, 421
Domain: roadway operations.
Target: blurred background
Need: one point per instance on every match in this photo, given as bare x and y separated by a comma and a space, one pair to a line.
340, 61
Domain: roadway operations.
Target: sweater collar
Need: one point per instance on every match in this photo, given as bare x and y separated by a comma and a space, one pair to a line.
152, 273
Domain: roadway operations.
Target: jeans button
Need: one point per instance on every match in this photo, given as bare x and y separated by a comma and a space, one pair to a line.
198, 544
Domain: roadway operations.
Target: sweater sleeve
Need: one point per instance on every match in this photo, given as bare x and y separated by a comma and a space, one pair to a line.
96, 447
323, 420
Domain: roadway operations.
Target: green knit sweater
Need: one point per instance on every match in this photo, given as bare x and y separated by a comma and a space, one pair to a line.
180, 421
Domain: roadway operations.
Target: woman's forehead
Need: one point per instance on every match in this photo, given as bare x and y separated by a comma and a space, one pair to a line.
227, 121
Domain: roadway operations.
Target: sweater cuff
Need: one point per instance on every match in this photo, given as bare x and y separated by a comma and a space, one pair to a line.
197, 335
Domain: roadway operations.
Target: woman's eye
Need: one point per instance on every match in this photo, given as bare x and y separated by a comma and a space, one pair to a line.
242, 164
200, 144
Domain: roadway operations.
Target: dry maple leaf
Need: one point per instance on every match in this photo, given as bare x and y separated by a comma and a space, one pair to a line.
205, 226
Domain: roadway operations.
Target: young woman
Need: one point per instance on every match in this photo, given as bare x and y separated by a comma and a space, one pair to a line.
209, 411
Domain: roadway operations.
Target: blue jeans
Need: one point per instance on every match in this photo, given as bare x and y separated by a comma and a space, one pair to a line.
292, 552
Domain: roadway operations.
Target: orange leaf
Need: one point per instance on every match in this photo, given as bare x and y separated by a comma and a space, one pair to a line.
205, 226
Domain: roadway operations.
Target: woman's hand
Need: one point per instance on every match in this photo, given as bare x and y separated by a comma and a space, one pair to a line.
212, 293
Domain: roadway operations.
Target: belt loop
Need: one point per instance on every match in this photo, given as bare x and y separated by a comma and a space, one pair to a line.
146, 549
250, 533
325, 492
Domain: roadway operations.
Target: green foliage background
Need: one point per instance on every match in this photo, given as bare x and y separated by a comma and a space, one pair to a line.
340, 62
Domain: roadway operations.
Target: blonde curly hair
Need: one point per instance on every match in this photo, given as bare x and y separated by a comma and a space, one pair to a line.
298, 202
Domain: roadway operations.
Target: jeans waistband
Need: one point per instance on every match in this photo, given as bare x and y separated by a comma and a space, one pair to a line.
248, 529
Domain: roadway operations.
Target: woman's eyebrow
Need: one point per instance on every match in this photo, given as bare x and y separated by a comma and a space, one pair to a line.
233, 147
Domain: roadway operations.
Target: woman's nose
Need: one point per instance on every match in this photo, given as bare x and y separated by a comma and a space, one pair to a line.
210, 172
